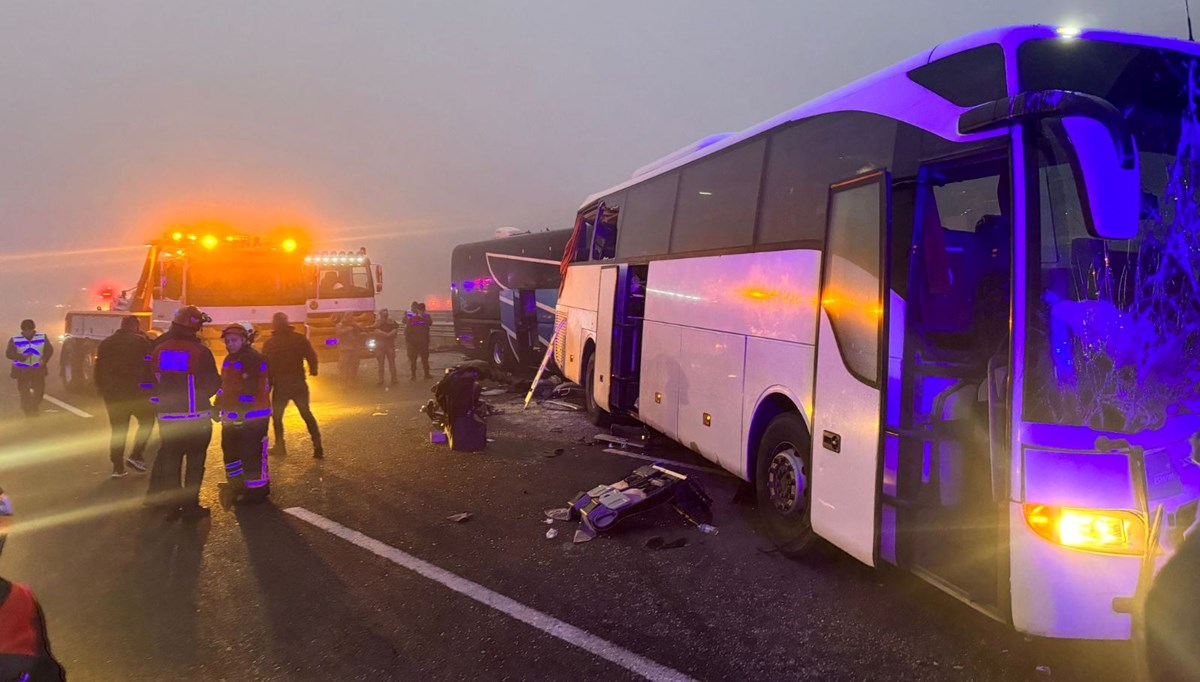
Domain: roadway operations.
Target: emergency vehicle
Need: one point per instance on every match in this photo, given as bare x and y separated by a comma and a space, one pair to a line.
230, 276
341, 282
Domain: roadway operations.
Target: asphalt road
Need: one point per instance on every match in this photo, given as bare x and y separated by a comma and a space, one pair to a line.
263, 594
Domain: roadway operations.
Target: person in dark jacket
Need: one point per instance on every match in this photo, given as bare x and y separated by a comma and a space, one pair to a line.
244, 403
386, 330
1172, 615
416, 339
24, 645
30, 353
124, 379
185, 380
286, 353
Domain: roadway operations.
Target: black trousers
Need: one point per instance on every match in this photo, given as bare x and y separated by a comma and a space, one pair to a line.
296, 393
31, 385
386, 354
418, 351
181, 439
120, 412
244, 447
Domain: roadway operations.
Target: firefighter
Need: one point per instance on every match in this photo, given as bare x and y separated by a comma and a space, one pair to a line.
385, 336
244, 405
30, 352
24, 646
123, 378
416, 339
286, 353
185, 380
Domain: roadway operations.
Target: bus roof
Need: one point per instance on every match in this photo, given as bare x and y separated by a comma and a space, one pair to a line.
892, 93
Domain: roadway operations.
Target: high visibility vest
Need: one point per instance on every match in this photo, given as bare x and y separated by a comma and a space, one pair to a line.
19, 631
30, 350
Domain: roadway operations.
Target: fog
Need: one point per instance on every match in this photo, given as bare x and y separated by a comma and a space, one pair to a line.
405, 127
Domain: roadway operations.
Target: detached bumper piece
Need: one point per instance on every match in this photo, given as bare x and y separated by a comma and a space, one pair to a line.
602, 508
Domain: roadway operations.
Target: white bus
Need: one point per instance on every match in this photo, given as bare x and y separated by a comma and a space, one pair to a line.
944, 318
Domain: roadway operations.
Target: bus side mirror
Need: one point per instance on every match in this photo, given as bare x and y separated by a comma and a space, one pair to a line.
1110, 178
378, 278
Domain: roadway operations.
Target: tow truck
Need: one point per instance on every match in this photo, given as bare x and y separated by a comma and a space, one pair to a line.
342, 282
232, 277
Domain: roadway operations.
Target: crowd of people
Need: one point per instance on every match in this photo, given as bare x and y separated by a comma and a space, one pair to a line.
416, 328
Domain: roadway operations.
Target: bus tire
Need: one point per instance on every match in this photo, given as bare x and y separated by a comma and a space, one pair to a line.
596, 414
72, 369
498, 352
783, 484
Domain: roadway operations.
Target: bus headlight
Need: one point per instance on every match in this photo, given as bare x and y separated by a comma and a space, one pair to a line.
1108, 531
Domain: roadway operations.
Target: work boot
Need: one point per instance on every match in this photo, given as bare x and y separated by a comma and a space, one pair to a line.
279, 449
137, 464
318, 451
119, 471
195, 513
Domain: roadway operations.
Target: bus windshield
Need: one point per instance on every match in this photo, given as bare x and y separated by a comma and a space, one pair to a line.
258, 281
1114, 328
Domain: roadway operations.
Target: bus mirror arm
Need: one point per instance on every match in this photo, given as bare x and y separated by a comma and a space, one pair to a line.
1103, 154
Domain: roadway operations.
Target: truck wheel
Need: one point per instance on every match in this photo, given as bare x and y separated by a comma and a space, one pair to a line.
596, 414
87, 364
783, 484
500, 355
72, 372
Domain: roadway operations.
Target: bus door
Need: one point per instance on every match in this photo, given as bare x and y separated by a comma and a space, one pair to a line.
848, 395
622, 306
944, 489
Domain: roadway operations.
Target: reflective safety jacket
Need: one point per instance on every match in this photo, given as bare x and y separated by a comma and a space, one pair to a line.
245, 392
24, 647
185, 378
29, 353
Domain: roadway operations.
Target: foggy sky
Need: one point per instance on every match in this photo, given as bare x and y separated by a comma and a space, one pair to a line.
403, 126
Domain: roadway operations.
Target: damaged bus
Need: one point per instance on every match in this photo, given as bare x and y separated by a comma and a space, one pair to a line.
944, 318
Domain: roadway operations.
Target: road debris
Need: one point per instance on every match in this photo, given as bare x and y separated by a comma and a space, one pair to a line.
556, 453
552, 533
561, 406
708, 529
558, 514
459, 518
600, 509
657, 542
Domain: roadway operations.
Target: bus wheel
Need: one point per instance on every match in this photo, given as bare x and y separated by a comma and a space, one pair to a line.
72, 373
596, 414
783, 483
500, 353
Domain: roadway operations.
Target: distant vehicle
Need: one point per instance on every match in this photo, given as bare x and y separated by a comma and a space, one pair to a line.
340, 283
924, 316
503, 292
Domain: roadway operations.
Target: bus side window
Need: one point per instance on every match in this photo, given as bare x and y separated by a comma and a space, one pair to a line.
604, 240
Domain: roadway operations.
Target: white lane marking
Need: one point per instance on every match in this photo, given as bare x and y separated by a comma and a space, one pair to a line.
69, 408
548, 624
660, 460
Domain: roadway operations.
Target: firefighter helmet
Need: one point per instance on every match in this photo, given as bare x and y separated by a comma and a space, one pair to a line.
243, 329
191, 317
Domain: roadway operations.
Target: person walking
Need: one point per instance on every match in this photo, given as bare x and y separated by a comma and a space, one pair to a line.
185, 380
123, 380
244, 405
286, 353
386, 330
30, 353
416, 333
24, 645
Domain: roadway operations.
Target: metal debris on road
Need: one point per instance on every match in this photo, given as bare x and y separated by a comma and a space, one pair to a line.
708, 529
548, 521
560, 406
493, 391
552, 533
657, 542
459, 518
647, 487
558, 514
556, 453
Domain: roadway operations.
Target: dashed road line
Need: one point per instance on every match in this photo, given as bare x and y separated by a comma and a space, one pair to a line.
550, 625
69, 408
